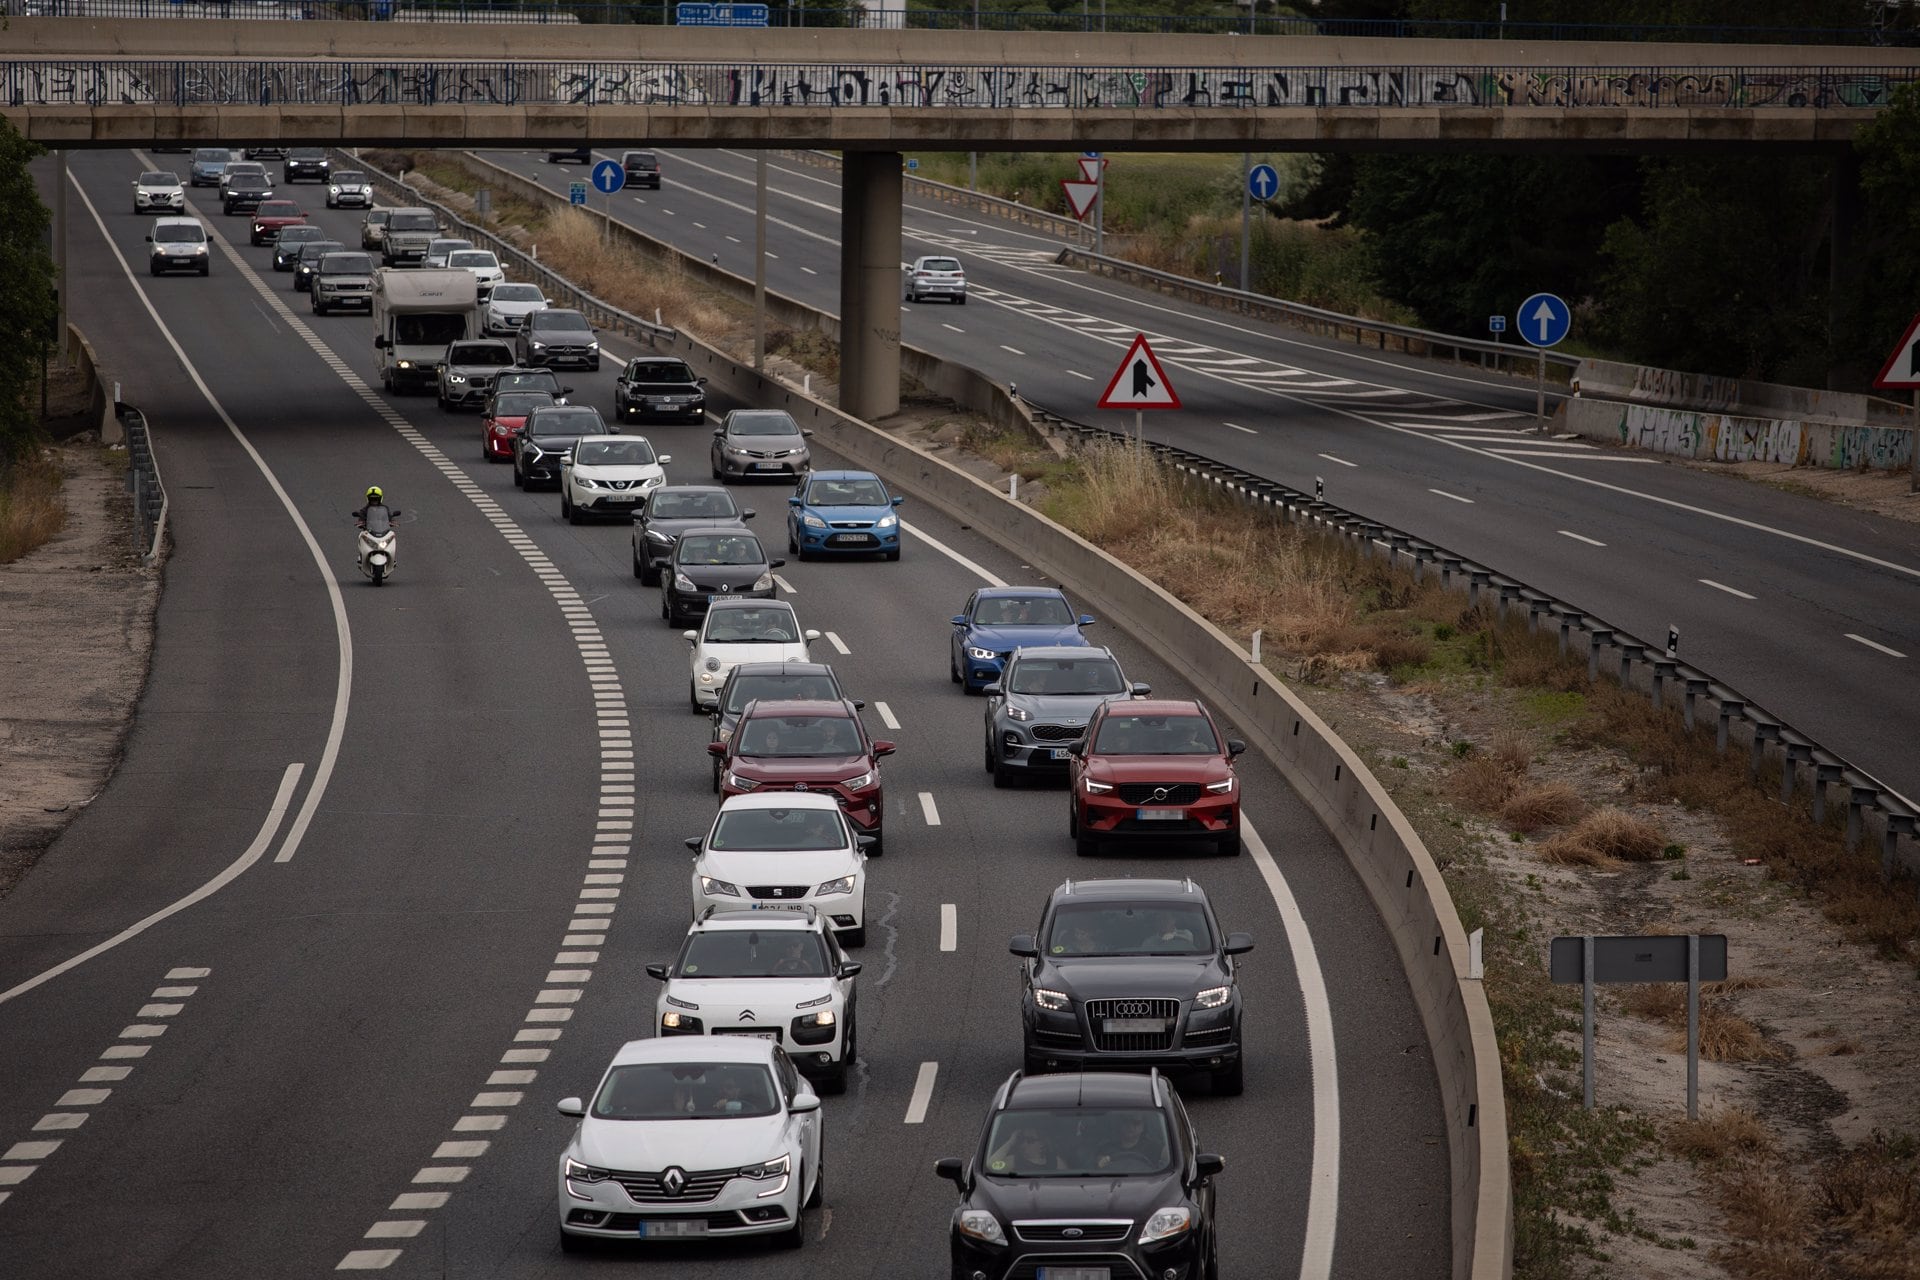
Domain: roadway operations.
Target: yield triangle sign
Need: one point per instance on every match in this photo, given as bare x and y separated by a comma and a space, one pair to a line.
1140, 382
1902, 371
1091, 167
1080, 197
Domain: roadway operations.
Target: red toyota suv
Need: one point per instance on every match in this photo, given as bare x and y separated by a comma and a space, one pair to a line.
1153, 768
807, 746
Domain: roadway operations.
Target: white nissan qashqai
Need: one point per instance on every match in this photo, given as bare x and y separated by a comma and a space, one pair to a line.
689, 1139
784, 850
778, 975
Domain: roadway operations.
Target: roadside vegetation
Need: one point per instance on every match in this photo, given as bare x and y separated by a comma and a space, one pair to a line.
30, 508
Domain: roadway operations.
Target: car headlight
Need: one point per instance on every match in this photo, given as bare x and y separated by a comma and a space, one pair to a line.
593, 346
664, 539
1165, 1223
1098, 788
585, 482
739, 783
859, 780
1019, 713
686, 1022
736, 450
584, 1175
456, 377
536, 344
981, 1225
651, 481
822, 1018
200, 249
1049, 999
984, 655
813, 522
333, 191
815, 1003
843, 885
1220, 788
886, 522
774, 1168
1213, 997
764, 582
718, 888
408, 364
712, 664
681, 582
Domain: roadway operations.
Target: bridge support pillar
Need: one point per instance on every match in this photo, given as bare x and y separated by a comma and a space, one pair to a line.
870, 194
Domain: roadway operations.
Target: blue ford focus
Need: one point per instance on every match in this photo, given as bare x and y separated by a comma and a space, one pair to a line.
843, 513
998, 620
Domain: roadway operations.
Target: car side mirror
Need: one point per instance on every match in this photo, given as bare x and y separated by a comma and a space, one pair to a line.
959, 619
1139, 690
716, 748
665, 458
746, 513
566, 391
953, 1169
803, 1103
882, 747
149, 239
657, 971
699, 382
1238, 944
1086, 620
571, 1107
693, 842
848, 969
864, 843
719, 432
992, 690
793, 502
379, 343
811, 635
898, 501
807, 433
1022, 944
776, 564
1207, 1165
1235, 747
859, 704
690, 636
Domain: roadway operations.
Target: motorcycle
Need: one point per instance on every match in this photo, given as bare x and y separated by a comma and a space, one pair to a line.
379, 544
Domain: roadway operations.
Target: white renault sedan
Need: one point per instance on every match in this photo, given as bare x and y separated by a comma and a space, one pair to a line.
609, 477
784, 850
779, 975
692, 1139
737, 631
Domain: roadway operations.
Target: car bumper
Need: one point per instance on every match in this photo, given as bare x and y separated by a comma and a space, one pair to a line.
467, 393
1034, 757
561, 360
693, 604
612, 506
159, 204
843, 910
769, 468
863, 542
332, 299
635, 411
742, 1208
1110, 819
1177, 1259
1203, 1041
977, 673
816, 1058
197, 262
938, 290
347, 200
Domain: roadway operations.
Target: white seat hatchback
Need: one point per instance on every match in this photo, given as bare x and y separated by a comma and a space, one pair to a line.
784, 850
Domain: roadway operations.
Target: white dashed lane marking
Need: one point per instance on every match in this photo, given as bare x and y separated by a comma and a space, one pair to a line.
1874, 644
1456, 497
886, 715
839, 645
1580, 537
949, 927
922, 1092
928, 808
1342, 461
1721, 586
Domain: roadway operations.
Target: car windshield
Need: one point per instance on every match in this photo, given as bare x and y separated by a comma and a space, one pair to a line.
1022, 611
346, 264
350, 178
786, 687
378, 218
560, 321
847, 493
517, 293
721, 549
939, 264
787, 737
280, 209
1126, 735
403, 221
178, 234
659, 371
520, 403
541, 380
752, 626
429, 330
567, 421
761, 422
1065, 676
1077, 1142
472, 258
158, 180
1129, 929
752, 953
482, 353
691, 506
313, 250
628, 452
686, 1091
213, 155
779, 830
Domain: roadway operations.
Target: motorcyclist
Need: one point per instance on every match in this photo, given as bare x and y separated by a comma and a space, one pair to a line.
375, 498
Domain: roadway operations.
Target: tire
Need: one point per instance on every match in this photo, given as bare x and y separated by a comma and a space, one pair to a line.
793, 548
440, 399
320, 308
1228, 846
693, 699
987, 756
878, 849
648, 574
953, 668
666, 610
1002, 776
819, 1192
638, 572
716, 778
572, 1243
205, 267
1084, 844
796, 1235
1231, 1082
854, 937
154, 270
519, 480
894, 554
567, 512
962, 299
832, 1085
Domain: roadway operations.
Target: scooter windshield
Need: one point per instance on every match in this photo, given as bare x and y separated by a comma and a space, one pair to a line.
378, 521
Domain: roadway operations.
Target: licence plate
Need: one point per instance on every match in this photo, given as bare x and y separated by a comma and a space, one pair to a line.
848, 537
669, 1228
1059, 753
1075, 1273
795, 905
1160, 815
1133, 1026
618, 499
767, 466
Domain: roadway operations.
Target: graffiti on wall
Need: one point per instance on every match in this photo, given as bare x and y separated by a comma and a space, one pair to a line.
936, 87
1727, 438
1755, 440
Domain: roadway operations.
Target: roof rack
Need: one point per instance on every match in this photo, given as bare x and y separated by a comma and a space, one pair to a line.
1006, 1091
1159, 1087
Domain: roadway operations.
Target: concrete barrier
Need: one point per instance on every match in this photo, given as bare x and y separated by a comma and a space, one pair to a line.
1673, 389
99, 392
1726, 437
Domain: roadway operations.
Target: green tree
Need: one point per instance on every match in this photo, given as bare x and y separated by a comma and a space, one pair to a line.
26, 292
1884, 289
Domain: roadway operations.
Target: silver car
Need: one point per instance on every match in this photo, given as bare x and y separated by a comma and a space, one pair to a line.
760, 442
349, 189
508, 307
342, 279
438, 249
468, 373
159, 192
936, 277
1041, 704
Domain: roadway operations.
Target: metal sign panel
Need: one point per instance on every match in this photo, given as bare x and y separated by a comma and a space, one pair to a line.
1656, 958
1263, 180
1544, 320
1080, 196
1140, 382
1902, 370
608, 177
720, 15
576, 193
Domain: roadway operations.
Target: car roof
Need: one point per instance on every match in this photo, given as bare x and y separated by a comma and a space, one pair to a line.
781, 800
798, 707
1083, 1089
692, 488
795, 667
987, 593
724, 606
1163, 707
842, 475
695, 1049
731, 918
1077, 652
725, 531
177, 221
611, 435
1129, 887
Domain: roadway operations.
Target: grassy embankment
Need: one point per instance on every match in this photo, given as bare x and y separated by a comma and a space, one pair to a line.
31, 508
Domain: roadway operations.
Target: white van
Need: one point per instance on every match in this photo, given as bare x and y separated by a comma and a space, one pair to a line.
178, 244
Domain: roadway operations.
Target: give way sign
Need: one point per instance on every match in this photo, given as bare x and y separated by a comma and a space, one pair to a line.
1140, 382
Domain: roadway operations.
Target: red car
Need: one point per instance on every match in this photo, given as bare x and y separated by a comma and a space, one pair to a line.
792, 745
503, 418
272, 216
1154, 768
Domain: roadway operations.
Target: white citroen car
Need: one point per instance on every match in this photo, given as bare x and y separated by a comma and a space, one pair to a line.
779, 975
692, 1139
784, 850
508, 307
609, 476
737, 631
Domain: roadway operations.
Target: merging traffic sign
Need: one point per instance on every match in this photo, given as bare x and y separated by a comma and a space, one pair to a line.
1543, 320
608, 177
1902, 370
1140, 382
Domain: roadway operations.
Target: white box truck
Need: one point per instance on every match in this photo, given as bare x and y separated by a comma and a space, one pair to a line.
416, 313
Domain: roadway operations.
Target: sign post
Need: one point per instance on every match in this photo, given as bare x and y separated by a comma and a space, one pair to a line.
1544, 322
1902, 373
1139, 384
1693, 959
609, 176
1262, 181
1094, 168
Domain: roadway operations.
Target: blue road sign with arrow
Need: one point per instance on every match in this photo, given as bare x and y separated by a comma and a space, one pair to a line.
608, 177
1262, 181
1543, 320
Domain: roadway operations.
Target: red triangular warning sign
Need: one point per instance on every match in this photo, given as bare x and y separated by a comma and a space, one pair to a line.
1140, 382
1902, 370
1080, 197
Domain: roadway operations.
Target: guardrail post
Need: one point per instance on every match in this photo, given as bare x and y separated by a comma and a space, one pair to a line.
1569, 619
1890, 843
1630, 652
1795, 753
1476, 579
1824, 775
1696, 685
1729, 708
1858, 797
1662, 669
1764, 731
1597, 639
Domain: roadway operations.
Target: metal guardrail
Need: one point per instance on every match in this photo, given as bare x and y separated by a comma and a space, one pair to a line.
143, 482
1769, 733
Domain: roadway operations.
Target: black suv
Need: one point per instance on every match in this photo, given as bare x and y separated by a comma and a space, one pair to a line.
550, 434
776, 681
657, 387
245, 193
306, 162
671, 510
557, 337
1083, 1176
642, 168
1132, 974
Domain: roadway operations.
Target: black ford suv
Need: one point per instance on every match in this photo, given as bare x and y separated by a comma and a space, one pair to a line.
1132, 974
1083, 1176
659, 387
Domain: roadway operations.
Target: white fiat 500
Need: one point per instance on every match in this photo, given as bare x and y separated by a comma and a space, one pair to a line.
784, 849
737, 631
609, 477
779, 975
689, 1139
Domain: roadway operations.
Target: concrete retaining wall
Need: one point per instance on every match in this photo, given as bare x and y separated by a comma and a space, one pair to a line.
99, 393
1726, 437
1672, 389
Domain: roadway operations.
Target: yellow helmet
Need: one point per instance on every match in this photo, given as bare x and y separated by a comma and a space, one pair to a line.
374, 494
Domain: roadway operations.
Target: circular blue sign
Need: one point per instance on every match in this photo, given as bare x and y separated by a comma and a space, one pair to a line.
1263, 181
1543, 320
608, 177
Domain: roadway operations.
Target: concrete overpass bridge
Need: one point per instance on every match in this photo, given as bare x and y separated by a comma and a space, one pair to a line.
82, 82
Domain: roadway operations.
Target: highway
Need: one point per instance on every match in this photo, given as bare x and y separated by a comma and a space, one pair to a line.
1805, 606
376, 880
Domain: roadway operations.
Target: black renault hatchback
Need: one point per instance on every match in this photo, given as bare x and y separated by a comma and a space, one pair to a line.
1085, 1177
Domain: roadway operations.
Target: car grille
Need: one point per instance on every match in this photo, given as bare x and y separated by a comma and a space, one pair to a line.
767, 891
566, 353
1098, 1011
629, 1223
702, 1185
347, 286
850, 524
1118, 1265
1151, 792
1097, 1230
1056, 733
619, 484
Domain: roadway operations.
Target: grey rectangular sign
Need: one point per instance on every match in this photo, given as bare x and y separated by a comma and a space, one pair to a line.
1656, 958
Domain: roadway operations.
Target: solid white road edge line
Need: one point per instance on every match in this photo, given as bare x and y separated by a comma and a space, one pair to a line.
922, 1093
268, 827
949, 927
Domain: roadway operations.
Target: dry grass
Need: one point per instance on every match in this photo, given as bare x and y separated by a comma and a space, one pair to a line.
1604, 838
635, 282
1533, 806
32, 511
1481, 784
1771, 1217
1721, 1132
1725, 1036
